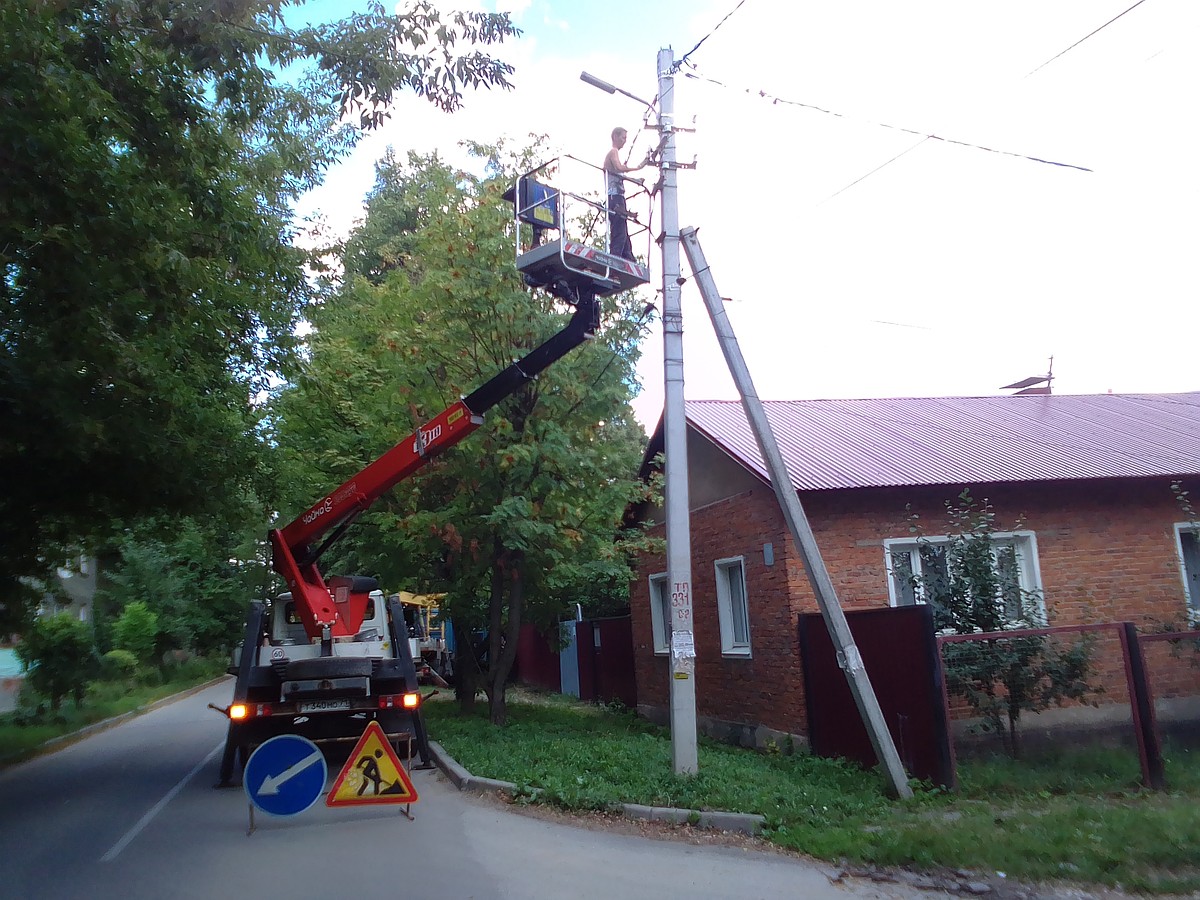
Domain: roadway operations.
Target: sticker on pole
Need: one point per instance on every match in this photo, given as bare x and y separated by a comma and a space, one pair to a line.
372, 774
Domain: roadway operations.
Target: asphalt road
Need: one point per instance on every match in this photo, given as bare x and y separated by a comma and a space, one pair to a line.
131, 813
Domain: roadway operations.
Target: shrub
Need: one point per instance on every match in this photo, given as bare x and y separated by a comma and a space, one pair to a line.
117, 665
137, 631
60, 657
977, 592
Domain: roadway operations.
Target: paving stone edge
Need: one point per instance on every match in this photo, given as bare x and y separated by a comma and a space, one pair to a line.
746, 823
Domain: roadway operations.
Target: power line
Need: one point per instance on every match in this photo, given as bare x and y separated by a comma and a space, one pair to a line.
925, 136
679, 62
1085, 37
874, 170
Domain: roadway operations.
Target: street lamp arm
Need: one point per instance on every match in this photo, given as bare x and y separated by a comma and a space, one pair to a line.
612, 89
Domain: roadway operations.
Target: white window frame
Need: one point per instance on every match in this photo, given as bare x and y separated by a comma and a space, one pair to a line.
1191, 598
731, 644
660, 613
1029, 572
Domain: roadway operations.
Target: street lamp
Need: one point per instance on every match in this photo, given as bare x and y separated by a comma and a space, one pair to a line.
612, 89
682, 652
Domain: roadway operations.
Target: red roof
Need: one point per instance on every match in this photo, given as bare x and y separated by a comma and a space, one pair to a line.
832, 444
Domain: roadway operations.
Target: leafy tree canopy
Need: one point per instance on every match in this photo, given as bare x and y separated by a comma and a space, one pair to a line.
150, 286
522, 518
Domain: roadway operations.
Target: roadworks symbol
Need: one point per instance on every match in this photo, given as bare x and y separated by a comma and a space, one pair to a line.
372, 774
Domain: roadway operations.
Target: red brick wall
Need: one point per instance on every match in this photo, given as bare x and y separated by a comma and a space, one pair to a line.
1106, 552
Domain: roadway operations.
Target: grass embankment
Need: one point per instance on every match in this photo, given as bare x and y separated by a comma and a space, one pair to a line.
22, 733
1081, 818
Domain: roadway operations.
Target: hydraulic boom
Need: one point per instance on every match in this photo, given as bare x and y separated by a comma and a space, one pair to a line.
295, 549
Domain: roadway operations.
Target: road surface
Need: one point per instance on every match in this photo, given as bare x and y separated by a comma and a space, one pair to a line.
131, 813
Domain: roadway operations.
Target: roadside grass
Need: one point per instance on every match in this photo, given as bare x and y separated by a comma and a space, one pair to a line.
21, 735
1079, 816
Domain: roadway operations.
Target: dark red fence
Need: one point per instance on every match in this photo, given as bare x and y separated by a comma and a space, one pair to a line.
604, 651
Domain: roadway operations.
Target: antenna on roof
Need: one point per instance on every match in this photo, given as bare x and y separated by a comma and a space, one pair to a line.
1026, 385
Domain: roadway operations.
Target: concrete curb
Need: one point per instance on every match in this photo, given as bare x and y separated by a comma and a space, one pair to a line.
745, 823
64, 740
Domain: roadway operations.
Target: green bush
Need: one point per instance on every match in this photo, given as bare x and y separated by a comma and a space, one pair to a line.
137, 631
117, 665
149, 676
60, 657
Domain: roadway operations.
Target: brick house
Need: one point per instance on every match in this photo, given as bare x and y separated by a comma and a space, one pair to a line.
1086, 516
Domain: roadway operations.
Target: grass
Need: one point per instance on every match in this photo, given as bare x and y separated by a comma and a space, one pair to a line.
1081, 817
21, 737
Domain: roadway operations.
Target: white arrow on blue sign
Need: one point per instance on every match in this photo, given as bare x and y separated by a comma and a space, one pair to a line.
285, 775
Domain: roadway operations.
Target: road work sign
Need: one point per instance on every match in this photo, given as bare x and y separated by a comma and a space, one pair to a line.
372, 774
285, 775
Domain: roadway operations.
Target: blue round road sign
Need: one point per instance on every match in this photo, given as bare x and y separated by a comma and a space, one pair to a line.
285, 775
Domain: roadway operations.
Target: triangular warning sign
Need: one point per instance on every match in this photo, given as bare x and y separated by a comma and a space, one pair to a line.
372, 774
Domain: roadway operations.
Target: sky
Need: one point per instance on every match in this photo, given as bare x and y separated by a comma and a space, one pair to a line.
869, 261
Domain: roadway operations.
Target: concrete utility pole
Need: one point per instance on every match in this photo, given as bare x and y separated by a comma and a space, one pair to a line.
682, 648
789, 502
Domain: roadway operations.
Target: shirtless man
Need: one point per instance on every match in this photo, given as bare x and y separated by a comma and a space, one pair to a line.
618, 225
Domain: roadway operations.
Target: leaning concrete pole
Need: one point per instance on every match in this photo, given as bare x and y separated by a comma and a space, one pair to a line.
797, 522
682, 650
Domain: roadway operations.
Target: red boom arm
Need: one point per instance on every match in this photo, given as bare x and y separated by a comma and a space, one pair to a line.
293, 554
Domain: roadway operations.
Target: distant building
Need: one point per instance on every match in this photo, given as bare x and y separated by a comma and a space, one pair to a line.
73, 590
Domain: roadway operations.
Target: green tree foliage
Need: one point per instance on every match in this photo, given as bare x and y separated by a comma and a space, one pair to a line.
974, 590
150, 284
195, 577
59, 656
523, 518
136, 631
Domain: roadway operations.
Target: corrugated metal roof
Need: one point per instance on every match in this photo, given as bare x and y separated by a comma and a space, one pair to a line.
831, 444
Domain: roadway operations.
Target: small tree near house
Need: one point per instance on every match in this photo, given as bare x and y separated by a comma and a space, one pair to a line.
971, 581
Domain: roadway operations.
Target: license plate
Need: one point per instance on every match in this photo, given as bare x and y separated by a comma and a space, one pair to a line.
318, 706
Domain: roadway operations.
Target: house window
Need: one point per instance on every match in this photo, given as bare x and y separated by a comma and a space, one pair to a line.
660, 612
917, 569
732, 611
1188, 536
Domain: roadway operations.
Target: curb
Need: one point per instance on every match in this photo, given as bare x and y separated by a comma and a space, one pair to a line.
746, 823
64, 740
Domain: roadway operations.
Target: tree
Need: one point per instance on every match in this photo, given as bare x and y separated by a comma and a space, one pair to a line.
195, 576
516, 520
973, 588
150, 285
136, 631
60, 657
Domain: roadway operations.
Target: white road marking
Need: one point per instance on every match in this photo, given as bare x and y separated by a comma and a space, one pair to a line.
158, 807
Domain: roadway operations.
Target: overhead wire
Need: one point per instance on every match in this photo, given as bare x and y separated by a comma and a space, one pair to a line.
874, 170
1084, 38
924, 135
683, 59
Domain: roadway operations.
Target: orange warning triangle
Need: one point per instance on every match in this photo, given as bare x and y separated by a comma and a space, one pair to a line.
372, 774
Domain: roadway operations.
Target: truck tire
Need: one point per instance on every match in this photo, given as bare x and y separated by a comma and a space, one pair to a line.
329, 667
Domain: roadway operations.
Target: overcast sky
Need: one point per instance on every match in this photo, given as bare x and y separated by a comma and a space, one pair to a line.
951, 270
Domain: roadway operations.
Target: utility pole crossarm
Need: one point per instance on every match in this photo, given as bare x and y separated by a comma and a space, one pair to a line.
849, 657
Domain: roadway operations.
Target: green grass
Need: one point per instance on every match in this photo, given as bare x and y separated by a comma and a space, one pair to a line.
1081, 818
21, 739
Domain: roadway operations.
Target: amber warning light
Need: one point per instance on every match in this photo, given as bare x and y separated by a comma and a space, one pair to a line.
407, 701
